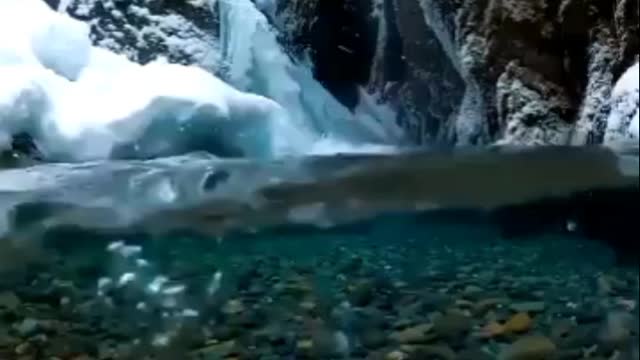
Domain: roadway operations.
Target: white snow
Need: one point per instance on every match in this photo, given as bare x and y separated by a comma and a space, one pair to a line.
64, 5
628, 81
622, 123
81, 102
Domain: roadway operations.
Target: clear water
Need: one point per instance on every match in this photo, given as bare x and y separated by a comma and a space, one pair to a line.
352, 248
200, 258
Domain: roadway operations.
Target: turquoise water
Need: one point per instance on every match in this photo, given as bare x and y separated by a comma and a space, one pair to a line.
96, 266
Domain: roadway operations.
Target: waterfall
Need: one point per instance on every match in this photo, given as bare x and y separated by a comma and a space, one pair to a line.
256, 62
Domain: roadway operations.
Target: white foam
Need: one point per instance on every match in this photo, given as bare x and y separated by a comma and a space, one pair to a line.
331, 146
82, 102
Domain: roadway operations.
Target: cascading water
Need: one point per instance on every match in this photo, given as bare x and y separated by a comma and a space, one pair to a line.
257, 63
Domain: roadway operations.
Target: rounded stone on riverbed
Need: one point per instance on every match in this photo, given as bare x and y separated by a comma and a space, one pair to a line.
616, 332
373, 339
534, 347
23, 349
362, 293
441, 352
215, 349
483, 306
233, 307
396, 355
419, 334
9, 301
27, 327
532, 307
452, 326
472, 292
474, 354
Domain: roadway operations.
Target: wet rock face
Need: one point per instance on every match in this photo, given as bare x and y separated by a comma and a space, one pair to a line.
531, 109
430, 88
542, 70
475, 72
528, 65
382, 45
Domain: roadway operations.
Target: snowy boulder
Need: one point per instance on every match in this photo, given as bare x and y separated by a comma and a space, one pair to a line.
144, 30
622, 123
80, 102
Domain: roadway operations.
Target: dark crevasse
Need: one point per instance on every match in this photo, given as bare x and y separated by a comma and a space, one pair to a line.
394, 62
341, 40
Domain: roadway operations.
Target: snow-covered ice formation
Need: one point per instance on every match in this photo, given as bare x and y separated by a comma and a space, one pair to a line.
82, 102
622, 123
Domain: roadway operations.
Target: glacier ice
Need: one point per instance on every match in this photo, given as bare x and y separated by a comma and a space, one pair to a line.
81, 102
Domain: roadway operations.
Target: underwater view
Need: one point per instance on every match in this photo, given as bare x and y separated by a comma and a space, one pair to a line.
306, 179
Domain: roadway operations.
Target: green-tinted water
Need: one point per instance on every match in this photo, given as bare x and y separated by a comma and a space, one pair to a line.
357, 257
400, 286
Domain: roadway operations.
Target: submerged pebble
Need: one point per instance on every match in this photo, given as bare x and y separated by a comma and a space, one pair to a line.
530, 348
277, 306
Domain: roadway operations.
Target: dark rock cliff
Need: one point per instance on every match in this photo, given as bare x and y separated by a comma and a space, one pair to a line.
470, 72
